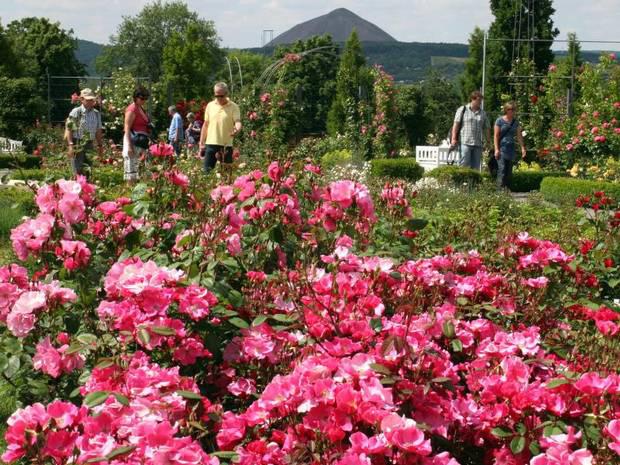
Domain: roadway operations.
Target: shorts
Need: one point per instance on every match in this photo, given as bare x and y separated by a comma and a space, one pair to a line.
211, 155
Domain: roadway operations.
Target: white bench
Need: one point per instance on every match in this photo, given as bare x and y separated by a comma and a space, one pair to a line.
10, 145
432, 156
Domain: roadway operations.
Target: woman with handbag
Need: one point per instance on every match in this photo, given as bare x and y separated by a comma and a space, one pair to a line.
136, 138
506, 129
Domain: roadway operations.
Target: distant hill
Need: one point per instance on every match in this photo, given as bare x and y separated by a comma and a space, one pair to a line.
86, 53
338, 24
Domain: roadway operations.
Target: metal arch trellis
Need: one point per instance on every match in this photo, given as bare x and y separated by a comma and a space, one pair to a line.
265, 78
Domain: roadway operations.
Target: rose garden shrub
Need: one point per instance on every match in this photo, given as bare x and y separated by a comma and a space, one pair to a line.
15, 203
456, 175
335, 158
403, 168
12, 161
565, 191
263, 322
527, 181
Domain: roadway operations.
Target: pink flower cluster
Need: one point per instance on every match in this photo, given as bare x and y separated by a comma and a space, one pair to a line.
22, 300
138, 422
141, 297
55, 361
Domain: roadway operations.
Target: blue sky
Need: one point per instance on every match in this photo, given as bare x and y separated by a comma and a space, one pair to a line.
240, 23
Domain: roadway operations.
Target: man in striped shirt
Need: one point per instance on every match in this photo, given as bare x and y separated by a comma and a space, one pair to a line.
82, 129
471, 128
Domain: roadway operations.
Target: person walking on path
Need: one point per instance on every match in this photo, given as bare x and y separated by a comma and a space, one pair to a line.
470, 129
136, 134
506, 129
222, 121
176, 134
82, 129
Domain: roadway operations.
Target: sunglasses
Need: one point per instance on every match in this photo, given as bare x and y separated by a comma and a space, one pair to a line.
143, 98
220, 96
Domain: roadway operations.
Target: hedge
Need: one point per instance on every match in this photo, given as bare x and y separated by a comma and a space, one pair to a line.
15, 202
404, 168
336, 158
456, 175
19, 161
527, 181
105, 177
564, 191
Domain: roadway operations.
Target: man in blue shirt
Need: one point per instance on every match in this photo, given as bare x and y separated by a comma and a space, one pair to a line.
175, 131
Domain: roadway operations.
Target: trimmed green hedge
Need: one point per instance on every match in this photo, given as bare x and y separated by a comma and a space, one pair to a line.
457, 175
105, 177
564, 191
404, 168
527, 181
21, 161
15, 203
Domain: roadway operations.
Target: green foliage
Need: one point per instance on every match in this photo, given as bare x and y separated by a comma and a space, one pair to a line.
527, 181
456, 175
189, 58
441, 100
403, 168
412, 114
352, 79
564, 191
252, 66
335, 158
19, 161
514, 20
104, 177
139, 43
385, 124
15, 203
20, 104
471, 79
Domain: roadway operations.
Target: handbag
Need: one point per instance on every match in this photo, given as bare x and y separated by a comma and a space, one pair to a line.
140, 140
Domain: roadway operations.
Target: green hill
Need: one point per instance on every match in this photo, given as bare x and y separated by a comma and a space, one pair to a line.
86, 53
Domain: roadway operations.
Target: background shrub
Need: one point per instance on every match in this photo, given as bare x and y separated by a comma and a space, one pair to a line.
15, 203
19, 161
456, 175
527, 181
564, 191
404, 168
335, 158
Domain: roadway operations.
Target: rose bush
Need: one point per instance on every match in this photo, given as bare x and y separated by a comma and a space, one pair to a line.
284, 319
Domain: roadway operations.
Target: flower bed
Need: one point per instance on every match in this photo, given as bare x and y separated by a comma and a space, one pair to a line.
259, 322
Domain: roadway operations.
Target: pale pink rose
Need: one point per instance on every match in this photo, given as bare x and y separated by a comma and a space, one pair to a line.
233, 244
613, 431
47, 359
72, 208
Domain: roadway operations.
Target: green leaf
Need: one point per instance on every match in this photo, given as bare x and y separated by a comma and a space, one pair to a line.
517, 445
285, 317
457, 345
121, 399
96, 398
396, 275
144, 336
448, 329
416, 224
376, 324
500, 432
74, 348
613, 283
13, 366
189, 395
104, 363
534, 448
235, 298
120, 451
87, 338
238, 322
381, 368
259, 320
96, 459
556, 382
225, 454
75, 392
163, 330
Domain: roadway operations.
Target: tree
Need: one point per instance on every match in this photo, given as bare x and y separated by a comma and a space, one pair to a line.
140, 41
19, 105
412, 113
189, 60
471, 79
10, 65
441, 100
353, 76
44, 47
525, 19
245, 66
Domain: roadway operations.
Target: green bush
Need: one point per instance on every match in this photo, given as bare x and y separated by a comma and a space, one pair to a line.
527, 181
19, 161
15, 203
335, 158
457, 175
404, 168
104, 177
564, 191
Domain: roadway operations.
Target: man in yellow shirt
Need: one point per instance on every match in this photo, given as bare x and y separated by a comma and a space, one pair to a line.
222, 121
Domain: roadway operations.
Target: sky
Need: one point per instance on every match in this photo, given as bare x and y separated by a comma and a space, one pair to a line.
240, 23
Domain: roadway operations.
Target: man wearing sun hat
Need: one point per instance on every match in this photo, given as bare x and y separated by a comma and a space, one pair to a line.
82, 129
